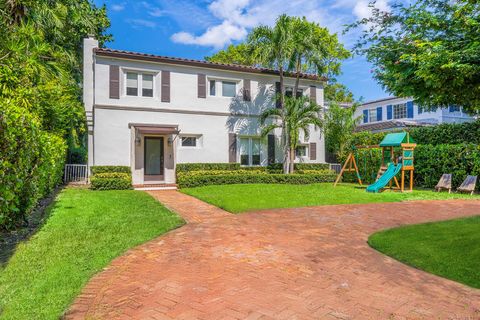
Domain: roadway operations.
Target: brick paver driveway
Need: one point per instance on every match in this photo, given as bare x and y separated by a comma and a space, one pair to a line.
308, 263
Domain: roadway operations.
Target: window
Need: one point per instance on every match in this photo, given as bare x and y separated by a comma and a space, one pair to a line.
372, 115
189, 141
212, 87
301, 151
454, 109
132, 84
147, 85
250, 151
229, 89
400, 111
289, 92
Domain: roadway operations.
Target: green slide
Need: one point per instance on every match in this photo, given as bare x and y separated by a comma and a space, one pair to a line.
385, 178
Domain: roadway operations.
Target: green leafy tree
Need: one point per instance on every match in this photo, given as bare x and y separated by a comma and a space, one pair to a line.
339, 127
428, 49
337, 92
235, 54
300, 114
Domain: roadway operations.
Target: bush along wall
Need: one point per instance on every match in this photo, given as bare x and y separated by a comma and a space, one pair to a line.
202, 174
111, 178
31, 164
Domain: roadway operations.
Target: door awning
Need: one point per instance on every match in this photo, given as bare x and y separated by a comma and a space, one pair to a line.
155, 128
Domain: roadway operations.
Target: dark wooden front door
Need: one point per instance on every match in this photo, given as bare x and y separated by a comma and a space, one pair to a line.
154, 156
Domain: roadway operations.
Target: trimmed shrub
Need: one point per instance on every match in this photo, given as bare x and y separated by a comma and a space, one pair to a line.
185, 167
300, 166
111, 181
106, 169
31, 163
204, 180
220, 172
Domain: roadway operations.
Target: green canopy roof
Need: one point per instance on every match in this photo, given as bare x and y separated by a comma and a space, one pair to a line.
396, 139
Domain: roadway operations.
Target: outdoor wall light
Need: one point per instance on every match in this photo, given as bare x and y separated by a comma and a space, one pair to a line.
169, 141
137, 138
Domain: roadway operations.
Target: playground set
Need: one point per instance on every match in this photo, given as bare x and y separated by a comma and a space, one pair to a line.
397, 156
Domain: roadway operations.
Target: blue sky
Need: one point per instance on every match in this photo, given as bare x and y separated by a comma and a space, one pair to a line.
197, 28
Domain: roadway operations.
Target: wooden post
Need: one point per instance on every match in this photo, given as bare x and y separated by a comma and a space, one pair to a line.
411, 179
343, 169
356, 170
403, 180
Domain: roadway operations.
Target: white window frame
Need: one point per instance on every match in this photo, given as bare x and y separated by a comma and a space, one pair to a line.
139, 83
394, 114
374, 112
307, 151
219, 87
198, 142
291, 88
250, 151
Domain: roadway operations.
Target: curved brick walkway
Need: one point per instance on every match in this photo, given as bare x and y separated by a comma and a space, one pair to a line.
308, 263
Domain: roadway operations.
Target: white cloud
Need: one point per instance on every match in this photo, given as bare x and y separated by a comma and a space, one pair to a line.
152, 10
216, 36
118, 7
233, 18
363, 9
136, 23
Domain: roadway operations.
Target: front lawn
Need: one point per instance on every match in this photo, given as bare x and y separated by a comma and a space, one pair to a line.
246, 197
450, 249
84, 232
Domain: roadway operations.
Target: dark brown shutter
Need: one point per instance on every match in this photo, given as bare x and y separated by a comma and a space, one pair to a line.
313, 94
271, 149
202, 86
232, 147
114, 82
278, 90
313, 151
165, 86
246, 90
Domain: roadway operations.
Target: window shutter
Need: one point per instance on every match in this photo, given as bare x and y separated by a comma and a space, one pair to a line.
246, 90
420, 110
451, 109
313, 94
202, 86
165, 86
365, 116
232, 147
313, 151
410, 109
271, 149
389, 112
114, 82
278, 90
379, 114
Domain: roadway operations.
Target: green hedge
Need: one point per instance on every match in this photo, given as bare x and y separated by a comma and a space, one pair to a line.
31, 163
106, 169
204, 180
185, 167
111, 181
301, 166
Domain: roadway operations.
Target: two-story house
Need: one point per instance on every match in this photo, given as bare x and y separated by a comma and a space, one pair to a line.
394, 113
151, 112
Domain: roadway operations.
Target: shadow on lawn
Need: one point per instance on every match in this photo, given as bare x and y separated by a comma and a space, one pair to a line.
9, 240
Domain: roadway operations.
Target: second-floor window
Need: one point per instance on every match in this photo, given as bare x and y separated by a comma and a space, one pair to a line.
372, 115
289, 92
400, 111
139, 83
222, 88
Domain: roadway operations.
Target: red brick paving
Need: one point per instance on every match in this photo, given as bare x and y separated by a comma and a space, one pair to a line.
307, 263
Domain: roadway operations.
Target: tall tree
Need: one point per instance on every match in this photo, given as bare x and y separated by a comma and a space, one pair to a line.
339, 126
337, 92
234, 54
427, 49
300, 114
273, 47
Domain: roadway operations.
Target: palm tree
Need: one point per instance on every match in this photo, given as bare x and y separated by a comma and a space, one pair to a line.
298, 116
273, 47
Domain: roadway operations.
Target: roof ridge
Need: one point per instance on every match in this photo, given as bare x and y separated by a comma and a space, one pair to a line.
230, 66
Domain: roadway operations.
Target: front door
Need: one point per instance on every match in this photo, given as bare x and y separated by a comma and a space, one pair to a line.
154, 158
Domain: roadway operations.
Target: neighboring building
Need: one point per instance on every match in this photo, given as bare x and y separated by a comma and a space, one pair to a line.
396, 113
152, 112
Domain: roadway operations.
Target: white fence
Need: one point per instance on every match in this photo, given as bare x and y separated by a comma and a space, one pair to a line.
76, 173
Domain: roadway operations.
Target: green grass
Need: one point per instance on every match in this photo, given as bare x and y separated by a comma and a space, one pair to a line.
84, 232
247, 197
449, 249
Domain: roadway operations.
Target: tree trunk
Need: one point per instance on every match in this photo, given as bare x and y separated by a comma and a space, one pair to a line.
285, 137
292, 159
298, 68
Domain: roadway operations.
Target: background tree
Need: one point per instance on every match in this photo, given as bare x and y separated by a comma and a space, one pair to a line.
339, 126
235, 54
337, 92
300, 114
429, 49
